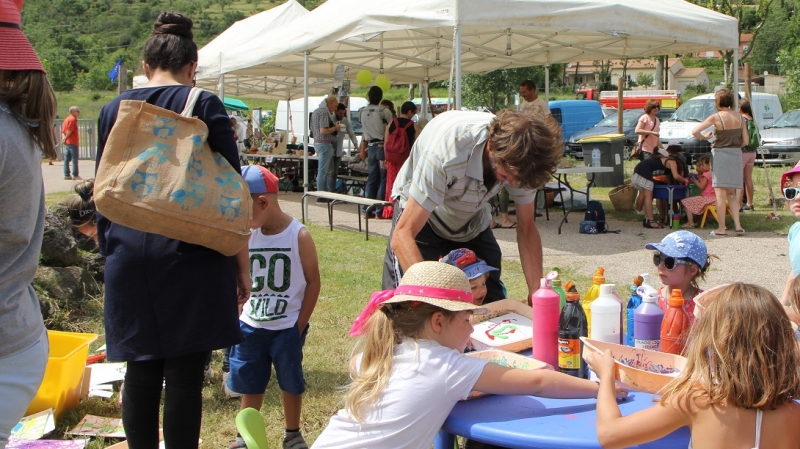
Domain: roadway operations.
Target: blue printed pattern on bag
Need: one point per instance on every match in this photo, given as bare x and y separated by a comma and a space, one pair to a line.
142, 183
192, 194
163, 128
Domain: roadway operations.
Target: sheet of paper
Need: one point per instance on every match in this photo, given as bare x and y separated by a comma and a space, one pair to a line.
106, 372
35, 426
101, 426
16, 443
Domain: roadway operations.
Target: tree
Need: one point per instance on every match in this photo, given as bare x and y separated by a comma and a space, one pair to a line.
496, 89
790, 63
97, 78
61, 74
644, 79
741, 12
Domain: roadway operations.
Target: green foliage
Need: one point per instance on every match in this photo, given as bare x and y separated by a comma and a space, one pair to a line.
96, 79
644, 79
790, 61
693, 90
496, 89
61, 74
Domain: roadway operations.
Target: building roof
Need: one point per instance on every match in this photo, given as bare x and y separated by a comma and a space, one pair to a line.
693, 72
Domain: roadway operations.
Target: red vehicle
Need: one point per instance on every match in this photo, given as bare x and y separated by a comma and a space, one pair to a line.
632, 99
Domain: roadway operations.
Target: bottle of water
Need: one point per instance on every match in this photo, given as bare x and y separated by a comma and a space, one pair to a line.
595, 157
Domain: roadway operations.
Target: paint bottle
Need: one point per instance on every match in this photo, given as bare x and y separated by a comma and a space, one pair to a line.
675, 325
571, 326
591, 294
647, 320
606, 311
621, 315
546, 304
633, 302
561, 293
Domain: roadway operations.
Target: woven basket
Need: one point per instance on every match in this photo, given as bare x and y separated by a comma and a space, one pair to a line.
622, 197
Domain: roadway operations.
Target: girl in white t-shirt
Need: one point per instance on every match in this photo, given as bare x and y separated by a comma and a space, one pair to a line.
412, 370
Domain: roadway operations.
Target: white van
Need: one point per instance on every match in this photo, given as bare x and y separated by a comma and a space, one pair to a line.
766, 108
289, 117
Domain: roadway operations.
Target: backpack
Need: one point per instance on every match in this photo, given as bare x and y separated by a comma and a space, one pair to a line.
752, 133
397, 147
594, 221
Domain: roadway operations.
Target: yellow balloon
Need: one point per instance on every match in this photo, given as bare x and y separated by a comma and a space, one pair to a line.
383, 82
364, 77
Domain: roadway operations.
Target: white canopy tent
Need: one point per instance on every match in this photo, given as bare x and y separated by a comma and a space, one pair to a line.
249, 30
423, 40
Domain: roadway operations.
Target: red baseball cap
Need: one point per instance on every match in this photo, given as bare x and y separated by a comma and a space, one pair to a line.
259, 179
16, 51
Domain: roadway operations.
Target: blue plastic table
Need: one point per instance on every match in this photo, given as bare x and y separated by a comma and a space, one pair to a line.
531, 422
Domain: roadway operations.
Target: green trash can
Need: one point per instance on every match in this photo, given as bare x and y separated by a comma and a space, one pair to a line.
612, 154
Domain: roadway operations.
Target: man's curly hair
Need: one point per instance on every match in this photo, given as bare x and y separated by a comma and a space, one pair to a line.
531, 146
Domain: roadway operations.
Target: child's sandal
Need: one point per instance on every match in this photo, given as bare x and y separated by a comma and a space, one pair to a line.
651, 224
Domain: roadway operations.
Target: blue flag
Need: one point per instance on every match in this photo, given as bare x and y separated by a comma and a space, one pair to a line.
114, 73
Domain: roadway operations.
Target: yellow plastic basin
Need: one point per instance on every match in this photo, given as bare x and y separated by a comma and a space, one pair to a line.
61, 387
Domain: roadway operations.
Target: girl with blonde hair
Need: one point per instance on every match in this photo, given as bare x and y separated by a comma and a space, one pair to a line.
738, 388
412, 370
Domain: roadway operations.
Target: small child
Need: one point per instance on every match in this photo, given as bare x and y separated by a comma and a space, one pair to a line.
682, 259
412, 371
739, 385
275, 320
696, 205
790, 186
476, 270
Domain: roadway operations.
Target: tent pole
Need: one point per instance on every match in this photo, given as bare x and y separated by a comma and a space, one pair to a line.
547, 82
457, 58
305, 131
423, 93
221, 80
735, 69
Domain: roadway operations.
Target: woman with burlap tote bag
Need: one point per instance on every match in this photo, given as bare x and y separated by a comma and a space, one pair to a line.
168, 301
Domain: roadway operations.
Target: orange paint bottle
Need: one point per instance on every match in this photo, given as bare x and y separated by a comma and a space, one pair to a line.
675, 326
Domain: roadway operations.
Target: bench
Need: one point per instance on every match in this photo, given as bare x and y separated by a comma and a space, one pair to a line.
335, 198
349, 182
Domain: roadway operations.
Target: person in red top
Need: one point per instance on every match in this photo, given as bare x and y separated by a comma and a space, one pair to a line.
69, 137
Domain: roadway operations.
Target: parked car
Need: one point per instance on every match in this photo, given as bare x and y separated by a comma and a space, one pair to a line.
575, 115
608, 111
608, 125
766, 107
780, 142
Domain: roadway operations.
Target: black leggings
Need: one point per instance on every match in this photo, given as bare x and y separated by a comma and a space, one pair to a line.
182, 378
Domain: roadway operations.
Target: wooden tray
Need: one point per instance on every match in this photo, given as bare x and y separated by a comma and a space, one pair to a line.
507, 359
639, 369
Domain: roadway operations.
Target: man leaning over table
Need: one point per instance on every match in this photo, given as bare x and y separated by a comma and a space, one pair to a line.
458, 163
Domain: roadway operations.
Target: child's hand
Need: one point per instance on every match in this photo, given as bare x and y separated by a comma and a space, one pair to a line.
620, 392
601, 364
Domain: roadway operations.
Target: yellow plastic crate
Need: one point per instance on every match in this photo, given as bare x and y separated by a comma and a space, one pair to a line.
61, 386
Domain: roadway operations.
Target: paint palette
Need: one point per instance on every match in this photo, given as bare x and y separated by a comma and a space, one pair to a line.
640, 369
507, 359
510, 332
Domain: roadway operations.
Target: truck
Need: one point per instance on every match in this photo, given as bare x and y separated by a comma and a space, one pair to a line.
631, 99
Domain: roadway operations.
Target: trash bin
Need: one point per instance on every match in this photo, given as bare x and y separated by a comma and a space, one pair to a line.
612, 154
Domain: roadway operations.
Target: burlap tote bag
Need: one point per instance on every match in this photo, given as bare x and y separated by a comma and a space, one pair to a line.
158, 175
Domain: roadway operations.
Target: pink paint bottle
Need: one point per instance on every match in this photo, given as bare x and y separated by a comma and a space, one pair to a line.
546, 309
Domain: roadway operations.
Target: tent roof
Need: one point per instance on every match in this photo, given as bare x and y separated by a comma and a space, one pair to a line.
412, 40
233, 104
248, 30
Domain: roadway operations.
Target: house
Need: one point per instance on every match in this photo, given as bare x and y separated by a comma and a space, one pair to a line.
744, 42
678, 77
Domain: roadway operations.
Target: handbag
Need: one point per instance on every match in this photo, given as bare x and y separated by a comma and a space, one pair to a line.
158, 175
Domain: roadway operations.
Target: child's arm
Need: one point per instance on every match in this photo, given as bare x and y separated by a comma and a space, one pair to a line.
617, 431
310, 263
700, 182
496, 379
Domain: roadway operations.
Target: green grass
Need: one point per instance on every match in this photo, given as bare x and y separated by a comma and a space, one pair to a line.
351, 271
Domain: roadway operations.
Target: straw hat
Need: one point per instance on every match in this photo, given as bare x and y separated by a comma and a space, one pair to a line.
436, 275
16, 52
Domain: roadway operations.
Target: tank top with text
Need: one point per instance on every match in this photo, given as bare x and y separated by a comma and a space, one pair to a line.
279, 283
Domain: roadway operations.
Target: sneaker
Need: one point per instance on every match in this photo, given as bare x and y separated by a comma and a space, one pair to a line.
228, 392
323, 201
294, 441
746, 207
238, 443
77, 178
67, 178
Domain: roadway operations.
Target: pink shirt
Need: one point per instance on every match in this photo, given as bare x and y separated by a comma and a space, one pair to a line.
709, 190
650, 141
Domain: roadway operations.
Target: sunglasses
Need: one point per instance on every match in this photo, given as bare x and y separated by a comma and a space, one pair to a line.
669, 262
790, 193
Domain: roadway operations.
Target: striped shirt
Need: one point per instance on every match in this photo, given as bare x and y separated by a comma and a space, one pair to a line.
321, 118
444, 174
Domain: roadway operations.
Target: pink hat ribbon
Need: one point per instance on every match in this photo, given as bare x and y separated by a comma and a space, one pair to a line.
382, 296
